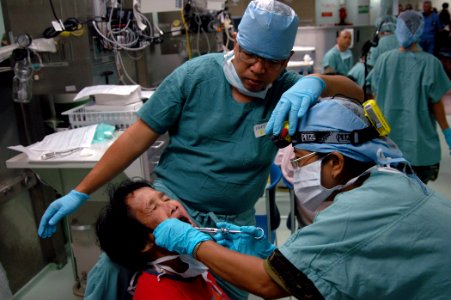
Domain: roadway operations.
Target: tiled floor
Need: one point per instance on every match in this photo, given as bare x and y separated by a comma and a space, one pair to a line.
55, 284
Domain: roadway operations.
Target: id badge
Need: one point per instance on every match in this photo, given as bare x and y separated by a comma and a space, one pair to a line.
259, 130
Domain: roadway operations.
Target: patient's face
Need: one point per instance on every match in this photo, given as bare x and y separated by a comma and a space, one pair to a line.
151, 207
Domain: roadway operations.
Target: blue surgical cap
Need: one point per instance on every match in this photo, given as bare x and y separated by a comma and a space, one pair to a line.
337, 114
409, 28
268, 29
386, 24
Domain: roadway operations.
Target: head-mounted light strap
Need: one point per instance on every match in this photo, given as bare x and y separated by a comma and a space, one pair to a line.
354, 137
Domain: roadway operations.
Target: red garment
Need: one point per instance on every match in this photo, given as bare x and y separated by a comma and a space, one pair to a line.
171, 287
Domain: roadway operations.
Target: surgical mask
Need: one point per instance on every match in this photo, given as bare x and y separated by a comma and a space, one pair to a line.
233, 78
307, 186
195, 268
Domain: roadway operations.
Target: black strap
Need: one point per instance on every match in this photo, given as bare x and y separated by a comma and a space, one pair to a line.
354, 137
294, 280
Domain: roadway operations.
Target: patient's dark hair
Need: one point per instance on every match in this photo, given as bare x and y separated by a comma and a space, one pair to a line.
120, 236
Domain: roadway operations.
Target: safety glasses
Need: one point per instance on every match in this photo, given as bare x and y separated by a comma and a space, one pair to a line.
250, 58
295, 162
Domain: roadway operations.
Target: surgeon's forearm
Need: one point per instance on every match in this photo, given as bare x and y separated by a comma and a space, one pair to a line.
438, 109
131, 144
244, 271
337, 84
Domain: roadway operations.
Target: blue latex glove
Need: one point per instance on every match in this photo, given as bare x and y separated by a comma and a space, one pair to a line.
58, 210
178, 236
295, 102
245, 242
447, 134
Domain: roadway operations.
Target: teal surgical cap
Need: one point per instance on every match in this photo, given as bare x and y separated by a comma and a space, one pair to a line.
268, 29
339, 114
386, 24
409, 28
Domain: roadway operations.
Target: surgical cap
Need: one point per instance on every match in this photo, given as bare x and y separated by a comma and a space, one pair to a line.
337, 114
409, 28
386, 24
268, 29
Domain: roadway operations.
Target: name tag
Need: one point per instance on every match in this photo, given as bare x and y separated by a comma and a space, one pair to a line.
259, 130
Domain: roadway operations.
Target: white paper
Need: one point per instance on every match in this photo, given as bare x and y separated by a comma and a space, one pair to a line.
147, 94
62, 141
123, 90
113, 108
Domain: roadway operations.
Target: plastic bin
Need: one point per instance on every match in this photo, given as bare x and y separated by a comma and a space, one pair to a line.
122, 119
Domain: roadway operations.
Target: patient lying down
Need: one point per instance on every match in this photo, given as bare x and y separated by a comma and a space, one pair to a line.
124, 229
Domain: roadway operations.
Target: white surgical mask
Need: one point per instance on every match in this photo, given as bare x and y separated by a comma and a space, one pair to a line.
233, 78
310, 194
195, 268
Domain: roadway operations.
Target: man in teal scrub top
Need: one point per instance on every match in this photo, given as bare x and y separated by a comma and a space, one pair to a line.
386, 26
339, 59
378, 231
215, 109
409, 85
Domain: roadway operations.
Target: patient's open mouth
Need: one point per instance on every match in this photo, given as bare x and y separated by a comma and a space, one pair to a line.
186, 220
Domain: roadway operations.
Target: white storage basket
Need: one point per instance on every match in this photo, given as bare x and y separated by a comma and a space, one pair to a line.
122, 119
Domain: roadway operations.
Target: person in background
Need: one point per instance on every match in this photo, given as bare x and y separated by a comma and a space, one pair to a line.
386, 26
400, 8
357, 72
382, 234
383, 41
215, 104
432, 25
124, 230
444, 15
443, 35
339, 59
409, 84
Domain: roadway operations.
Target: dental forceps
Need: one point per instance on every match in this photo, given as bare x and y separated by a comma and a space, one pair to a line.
55, 154
225, 230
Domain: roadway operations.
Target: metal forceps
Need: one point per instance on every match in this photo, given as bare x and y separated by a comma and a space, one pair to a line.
225, 230
55, 154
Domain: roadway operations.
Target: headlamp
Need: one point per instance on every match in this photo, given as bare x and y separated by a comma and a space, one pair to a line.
379, 128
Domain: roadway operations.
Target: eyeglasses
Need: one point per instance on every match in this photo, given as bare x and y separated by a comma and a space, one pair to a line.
295, 161
251, 59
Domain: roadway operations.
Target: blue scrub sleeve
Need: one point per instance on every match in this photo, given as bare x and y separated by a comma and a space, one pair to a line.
291, 279
439, 82
108, 281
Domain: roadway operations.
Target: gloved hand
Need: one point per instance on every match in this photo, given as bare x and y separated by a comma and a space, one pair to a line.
178, 236
245, 242
295, 102
59, 209
447, 134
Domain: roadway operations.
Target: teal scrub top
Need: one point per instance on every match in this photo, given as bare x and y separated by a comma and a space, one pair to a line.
216, 159
406, 84
333, 59
386, 43
108, 281
384, 240
357, 73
